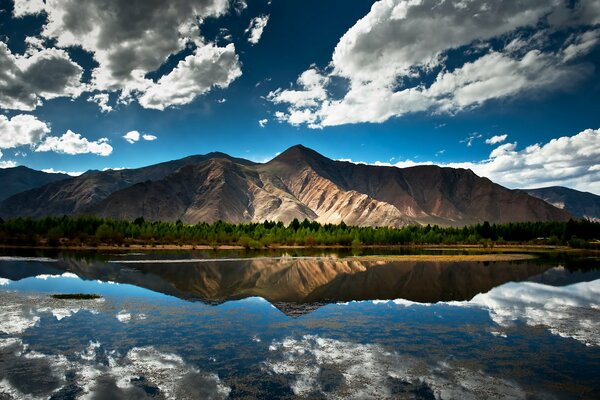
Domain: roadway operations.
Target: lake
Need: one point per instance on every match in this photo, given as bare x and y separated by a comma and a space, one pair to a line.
297, 324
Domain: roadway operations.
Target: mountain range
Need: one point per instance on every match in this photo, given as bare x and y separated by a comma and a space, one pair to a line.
298, 183
580, 204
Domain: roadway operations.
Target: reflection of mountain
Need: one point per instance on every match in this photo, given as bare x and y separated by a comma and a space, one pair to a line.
285, 282
298, 285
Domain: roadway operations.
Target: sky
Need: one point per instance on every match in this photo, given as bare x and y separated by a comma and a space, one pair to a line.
509, 89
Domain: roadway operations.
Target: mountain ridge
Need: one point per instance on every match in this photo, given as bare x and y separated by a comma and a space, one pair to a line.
19, 179
298, 183
580, 204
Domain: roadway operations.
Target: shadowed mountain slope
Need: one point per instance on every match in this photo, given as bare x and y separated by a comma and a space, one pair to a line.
19, 179
580, 204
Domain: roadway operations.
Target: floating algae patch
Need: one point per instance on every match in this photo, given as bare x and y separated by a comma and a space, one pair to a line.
76, 296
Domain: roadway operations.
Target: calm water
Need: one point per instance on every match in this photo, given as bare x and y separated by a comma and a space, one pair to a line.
299, 325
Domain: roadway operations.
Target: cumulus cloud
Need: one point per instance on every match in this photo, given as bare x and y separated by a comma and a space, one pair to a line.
393, 60
132, 136
256, 28
263, 122
570, 161
21, 130
102, 100
7, 163
27, 7
54, 171
129, 42
27, 130
209, 66
73, 143
496, 139
26, 80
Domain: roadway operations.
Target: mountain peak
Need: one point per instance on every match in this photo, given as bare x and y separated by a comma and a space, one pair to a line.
298, 153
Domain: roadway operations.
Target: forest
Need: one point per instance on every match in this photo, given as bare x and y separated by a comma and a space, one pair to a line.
94, 231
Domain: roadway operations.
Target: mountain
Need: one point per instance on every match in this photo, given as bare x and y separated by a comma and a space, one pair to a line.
19, 179
299, 183
580, 204
78, 194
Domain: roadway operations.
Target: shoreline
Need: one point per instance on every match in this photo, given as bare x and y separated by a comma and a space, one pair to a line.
530, 248
449, 258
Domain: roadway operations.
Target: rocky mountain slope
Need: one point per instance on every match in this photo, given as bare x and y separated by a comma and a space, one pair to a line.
19, 179
580, 204
299, 183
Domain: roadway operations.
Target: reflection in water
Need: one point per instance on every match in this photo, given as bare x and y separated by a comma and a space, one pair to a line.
307, 280
96, 373
328, 368
139, 343
572, 311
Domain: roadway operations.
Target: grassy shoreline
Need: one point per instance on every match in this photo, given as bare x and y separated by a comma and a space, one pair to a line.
529, 248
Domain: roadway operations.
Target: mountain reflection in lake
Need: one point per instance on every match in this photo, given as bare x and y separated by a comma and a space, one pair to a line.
306, 327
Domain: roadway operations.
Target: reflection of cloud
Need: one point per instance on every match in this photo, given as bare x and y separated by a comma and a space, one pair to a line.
142, 371
123, 316
569, 311
15, 319
38, 259
19, 313
63, 275
329, 368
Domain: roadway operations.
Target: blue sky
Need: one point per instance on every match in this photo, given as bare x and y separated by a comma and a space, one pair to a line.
391, 82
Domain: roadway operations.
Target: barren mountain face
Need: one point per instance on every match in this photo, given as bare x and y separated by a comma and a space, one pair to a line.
299, 183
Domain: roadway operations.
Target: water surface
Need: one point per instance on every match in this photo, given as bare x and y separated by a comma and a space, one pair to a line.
318, 325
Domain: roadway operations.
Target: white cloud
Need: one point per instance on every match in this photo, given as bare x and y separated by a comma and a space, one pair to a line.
27, 130
581, 44
388, 55
73, 143
263, 122
21, 130
27, 7
25, 80
8, 164
102, 100
570, 161
471, 138
208, 67
256, 28
496, 139
54, 171
132, 136
130, 42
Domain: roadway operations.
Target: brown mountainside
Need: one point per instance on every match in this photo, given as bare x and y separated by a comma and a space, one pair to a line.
299, 183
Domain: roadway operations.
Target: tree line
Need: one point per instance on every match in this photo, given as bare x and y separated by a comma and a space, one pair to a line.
94, 231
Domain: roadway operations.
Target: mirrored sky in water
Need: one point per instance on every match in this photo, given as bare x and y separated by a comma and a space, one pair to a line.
532, 334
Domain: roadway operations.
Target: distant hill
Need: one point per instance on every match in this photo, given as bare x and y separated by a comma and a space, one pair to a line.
299, 183
19, 179
580, 204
